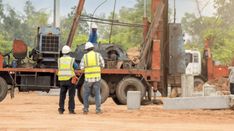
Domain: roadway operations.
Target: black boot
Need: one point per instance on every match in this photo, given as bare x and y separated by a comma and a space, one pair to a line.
72, 112
60, 111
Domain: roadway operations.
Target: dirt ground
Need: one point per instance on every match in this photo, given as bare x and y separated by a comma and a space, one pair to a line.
30, 111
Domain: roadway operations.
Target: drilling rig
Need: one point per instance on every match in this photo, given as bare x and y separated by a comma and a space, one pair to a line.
153, 73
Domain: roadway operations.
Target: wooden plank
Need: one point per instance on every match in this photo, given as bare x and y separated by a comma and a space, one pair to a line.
75, 22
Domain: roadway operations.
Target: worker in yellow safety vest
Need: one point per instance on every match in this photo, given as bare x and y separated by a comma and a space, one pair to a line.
66, 66
92, 62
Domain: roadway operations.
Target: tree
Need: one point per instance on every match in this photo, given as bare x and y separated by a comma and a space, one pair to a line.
128, 37
17, 26
11, 25
218, 29
225, 11
5, 45
32, 21
1, 10
81, 35
29, 10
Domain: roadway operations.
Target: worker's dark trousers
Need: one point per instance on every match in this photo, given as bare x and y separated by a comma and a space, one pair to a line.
232, 88
64, 86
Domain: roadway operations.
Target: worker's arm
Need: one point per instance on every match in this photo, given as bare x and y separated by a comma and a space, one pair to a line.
101, 61
75, 65
82, 64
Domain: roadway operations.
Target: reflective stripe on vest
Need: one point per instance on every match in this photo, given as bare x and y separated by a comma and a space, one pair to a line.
92, 65
65, 68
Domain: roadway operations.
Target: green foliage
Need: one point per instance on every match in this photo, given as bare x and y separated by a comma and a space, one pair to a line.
124, 36
225, 11
25, 26
80, 39
218, 29
33, 20
128, 37
103, 41
16, 26
81, 35
5, 45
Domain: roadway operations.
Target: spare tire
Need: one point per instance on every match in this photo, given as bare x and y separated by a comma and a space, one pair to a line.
104, 90
129, 84
3, 89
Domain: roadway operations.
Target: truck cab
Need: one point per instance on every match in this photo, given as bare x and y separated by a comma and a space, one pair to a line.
194, 66
193, 62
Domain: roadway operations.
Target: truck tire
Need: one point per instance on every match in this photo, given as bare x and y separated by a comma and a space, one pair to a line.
129, 84
3, 89
79, 95
104, 93
116, 100
198, 81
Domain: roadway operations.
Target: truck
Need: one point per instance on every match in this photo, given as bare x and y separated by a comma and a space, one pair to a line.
121, 75
203, 67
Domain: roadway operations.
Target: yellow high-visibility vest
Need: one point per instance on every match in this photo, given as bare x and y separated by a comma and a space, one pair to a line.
92, 65
65, 68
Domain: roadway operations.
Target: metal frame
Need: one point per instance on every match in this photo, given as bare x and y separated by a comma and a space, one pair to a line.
149, 75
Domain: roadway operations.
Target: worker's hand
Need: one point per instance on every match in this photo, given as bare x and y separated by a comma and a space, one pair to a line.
74, 80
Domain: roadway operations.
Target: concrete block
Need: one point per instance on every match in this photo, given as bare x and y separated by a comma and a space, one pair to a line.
169, 90
209, 90
231, 101
219, 93
187, 86
53, 92
197, 93
203, 102
133, 99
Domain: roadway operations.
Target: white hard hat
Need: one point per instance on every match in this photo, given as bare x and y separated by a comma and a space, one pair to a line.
93, 25
66, 49
88, 45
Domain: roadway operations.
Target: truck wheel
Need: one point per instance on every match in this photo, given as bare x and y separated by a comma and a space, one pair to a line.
79, 95
104, 93
3, 89
115, 99
129, 84
198, 82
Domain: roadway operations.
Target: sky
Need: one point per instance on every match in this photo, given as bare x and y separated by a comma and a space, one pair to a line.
189, 6
66, 5
182, 6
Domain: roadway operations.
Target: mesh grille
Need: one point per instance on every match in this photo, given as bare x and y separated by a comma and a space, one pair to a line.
50, 43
